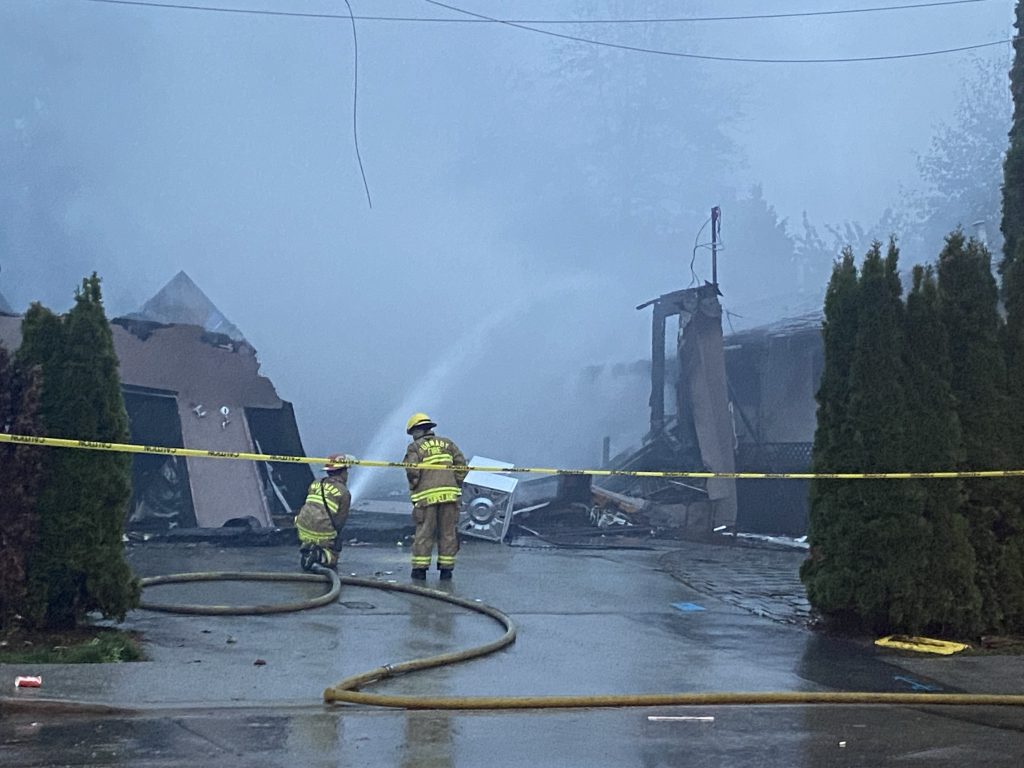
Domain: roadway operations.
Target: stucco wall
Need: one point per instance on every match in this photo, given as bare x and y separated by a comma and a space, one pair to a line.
182, 359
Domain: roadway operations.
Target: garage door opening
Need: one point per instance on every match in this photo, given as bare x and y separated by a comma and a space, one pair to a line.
161, 494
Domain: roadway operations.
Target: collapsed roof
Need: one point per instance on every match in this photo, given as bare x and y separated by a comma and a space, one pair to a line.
181, 302
699, 435
190, 379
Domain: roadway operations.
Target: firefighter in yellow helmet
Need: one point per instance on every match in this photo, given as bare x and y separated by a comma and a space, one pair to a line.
435, 496
322, 517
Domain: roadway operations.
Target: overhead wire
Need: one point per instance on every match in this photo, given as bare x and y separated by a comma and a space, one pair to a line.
729, 316
694, 279
469, 20
351, 17
711, 57
355, 101
527, 26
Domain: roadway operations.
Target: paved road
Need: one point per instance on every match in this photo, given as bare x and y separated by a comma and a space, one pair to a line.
762, 581
590, 622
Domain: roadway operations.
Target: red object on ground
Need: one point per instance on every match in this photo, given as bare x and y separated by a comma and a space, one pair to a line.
28, 682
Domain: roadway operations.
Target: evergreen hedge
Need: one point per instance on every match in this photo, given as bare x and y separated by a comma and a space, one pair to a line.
78, 565
934, 441
21, 472
1010, 525
832, 521
968, 308
915, 386
1013, 165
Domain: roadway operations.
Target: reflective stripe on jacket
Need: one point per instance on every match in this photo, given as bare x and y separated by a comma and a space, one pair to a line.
434, 486
307, 536
327, 492
314, 519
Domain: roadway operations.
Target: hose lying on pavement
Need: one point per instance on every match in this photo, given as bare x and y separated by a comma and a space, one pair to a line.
323, 574
667, 699
347, 691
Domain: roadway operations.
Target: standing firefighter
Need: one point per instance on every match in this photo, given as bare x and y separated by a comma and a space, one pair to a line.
435, 496
322, 517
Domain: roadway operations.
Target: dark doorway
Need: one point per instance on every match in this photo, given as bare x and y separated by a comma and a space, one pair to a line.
161, 494
274, 431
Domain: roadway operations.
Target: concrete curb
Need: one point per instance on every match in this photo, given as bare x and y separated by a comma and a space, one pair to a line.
9, 705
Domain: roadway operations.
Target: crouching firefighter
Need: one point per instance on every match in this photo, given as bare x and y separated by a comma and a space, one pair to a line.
435, 496
322, 517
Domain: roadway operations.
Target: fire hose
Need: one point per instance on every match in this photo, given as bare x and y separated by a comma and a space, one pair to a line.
347, 691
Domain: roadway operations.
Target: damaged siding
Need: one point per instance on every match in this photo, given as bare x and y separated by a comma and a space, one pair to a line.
207, 372
201, 373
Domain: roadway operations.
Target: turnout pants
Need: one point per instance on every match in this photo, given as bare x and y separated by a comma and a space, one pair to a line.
436, 521
317, 532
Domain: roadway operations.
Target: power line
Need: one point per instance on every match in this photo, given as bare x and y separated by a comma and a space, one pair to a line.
472, 16
355, 101
487, 20
709, 57
355, 57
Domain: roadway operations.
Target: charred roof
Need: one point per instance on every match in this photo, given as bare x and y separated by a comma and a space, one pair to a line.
5, 308
182, 302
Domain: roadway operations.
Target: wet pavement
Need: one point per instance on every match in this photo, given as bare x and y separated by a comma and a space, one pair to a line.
762, 581
589, 622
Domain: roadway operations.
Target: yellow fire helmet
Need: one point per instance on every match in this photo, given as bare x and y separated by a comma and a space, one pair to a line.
419, 420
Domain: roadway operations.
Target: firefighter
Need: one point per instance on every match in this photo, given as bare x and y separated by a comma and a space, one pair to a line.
322, 517
435, 496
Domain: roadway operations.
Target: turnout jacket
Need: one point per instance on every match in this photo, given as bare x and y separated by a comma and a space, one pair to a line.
325, 511
434, 486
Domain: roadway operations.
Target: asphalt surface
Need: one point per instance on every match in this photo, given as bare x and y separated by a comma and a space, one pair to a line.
590, 622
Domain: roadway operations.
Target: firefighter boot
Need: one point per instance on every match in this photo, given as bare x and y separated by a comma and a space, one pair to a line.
309, 556
419, 574
446, 574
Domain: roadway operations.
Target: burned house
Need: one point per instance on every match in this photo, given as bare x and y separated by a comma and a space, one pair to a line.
742, 402
697, 434
190, 379
773, 373
691, 429
716, 404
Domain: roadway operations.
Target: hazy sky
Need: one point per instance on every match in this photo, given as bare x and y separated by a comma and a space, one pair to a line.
528, 192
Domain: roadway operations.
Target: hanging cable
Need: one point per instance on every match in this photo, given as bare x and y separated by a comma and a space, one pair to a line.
524, 25
694, 279
449, 20
355, 101
709, 57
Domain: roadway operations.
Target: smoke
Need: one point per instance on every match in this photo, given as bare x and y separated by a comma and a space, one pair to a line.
434, 386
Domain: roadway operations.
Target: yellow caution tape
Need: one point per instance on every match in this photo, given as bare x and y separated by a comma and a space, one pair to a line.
57, 442
921, 644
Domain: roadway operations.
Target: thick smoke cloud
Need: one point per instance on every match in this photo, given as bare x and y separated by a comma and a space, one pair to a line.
534, 188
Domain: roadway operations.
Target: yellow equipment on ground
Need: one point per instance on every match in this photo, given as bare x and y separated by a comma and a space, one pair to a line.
921, 644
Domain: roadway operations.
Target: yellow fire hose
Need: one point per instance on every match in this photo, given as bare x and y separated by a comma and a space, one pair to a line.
242, 610
347, 691
667, 699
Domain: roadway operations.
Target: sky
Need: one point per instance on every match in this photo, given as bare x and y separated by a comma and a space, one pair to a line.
527, 191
